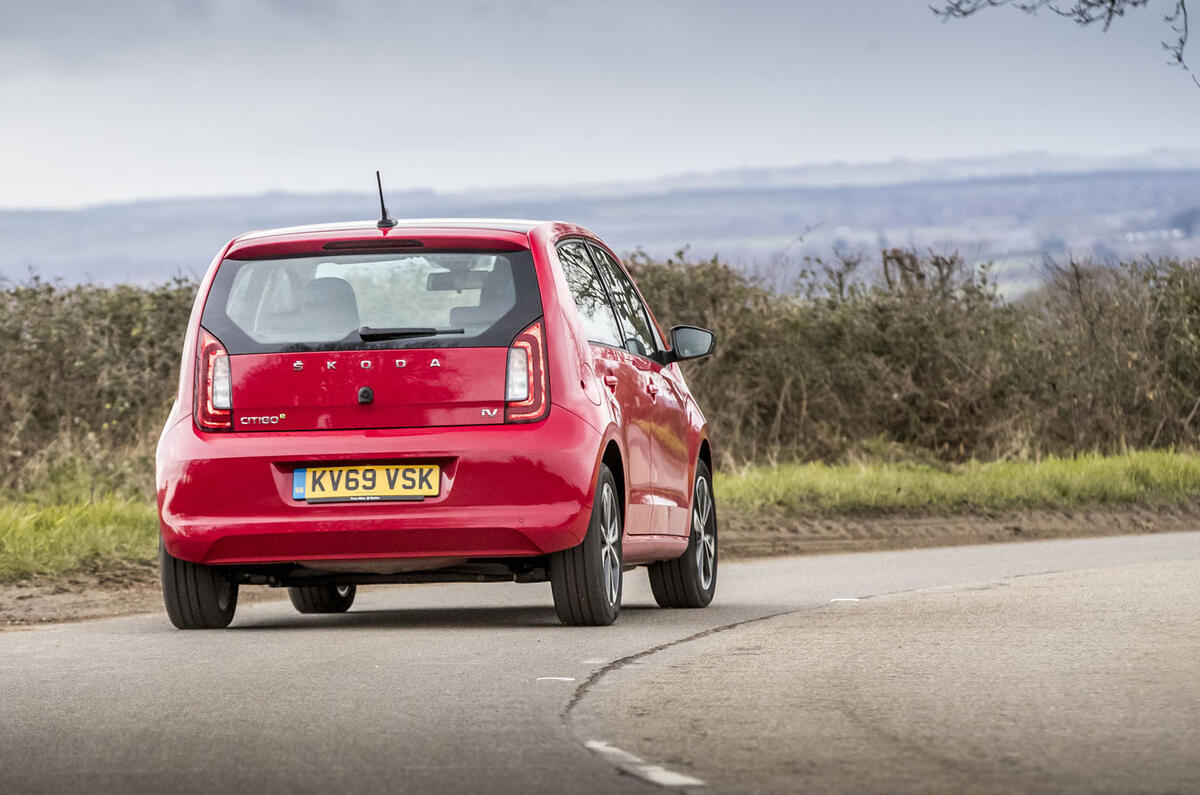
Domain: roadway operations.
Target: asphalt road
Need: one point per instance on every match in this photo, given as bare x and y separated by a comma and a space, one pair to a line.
1085, 681
441, 688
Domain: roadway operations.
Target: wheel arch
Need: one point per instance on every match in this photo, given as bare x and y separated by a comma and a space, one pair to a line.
612, 458
705, 453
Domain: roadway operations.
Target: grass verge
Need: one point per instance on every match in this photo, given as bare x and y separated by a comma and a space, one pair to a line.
45, 536
872, 489
40, 538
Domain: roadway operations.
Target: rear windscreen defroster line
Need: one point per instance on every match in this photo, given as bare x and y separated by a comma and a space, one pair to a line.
320, 303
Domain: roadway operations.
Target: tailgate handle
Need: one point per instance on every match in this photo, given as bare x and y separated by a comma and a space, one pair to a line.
652, 388
610, 381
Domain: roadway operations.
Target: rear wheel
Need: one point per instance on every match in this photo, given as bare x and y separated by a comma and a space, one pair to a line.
586, 579
322, 598
196, 596
691, 579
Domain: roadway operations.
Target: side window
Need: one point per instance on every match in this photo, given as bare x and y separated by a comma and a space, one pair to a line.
599, 322
639, 337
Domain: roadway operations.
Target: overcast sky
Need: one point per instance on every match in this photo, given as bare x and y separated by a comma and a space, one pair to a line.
124, 99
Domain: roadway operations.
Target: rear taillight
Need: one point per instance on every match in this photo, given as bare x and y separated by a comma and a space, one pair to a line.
527, 384
214, 385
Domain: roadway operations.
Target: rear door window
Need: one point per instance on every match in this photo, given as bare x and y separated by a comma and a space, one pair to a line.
591, 298
639, 338
321, 303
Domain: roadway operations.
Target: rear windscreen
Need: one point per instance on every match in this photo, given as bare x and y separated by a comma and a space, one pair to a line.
326, 303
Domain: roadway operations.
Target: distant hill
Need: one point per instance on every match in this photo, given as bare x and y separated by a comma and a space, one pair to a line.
1013, 208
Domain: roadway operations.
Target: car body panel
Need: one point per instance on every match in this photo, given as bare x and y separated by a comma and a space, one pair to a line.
625, 392
227, 498
410, 388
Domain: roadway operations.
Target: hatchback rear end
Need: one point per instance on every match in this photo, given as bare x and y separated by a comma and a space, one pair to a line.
360, 405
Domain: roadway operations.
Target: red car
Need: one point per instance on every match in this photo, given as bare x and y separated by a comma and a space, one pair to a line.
433, 400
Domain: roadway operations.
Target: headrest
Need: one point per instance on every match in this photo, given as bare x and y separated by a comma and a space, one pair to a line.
497, 295
330, 307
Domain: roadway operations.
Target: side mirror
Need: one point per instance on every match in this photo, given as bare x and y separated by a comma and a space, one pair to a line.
690, 342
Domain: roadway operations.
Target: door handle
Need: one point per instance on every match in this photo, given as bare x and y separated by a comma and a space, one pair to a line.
652, 388
610, 381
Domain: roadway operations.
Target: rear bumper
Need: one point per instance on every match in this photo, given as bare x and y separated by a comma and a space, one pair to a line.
506, 491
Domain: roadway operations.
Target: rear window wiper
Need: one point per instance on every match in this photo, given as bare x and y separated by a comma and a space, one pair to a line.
367, 333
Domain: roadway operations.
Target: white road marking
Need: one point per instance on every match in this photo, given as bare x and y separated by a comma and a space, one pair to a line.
614, 753
669, 778
845, 599
594, 661
556, 679
635, 765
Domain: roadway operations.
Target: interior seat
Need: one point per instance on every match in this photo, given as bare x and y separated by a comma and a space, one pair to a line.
497, 296
330, 307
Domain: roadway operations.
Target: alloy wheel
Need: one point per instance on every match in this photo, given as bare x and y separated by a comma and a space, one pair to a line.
705, 532
610, 542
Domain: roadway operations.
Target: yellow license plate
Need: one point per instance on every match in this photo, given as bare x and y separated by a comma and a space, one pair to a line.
366, 483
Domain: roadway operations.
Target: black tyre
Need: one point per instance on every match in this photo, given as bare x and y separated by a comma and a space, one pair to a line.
196, 596
586, 579
322, 598
691, 579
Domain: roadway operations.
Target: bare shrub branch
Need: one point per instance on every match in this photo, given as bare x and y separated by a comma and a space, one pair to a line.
1084, 13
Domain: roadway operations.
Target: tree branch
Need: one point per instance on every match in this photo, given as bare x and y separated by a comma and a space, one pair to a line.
1083, 13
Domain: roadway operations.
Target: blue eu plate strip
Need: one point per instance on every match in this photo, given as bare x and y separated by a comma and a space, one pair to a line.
299, 480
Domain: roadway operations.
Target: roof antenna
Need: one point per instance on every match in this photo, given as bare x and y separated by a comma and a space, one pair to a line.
385, 221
